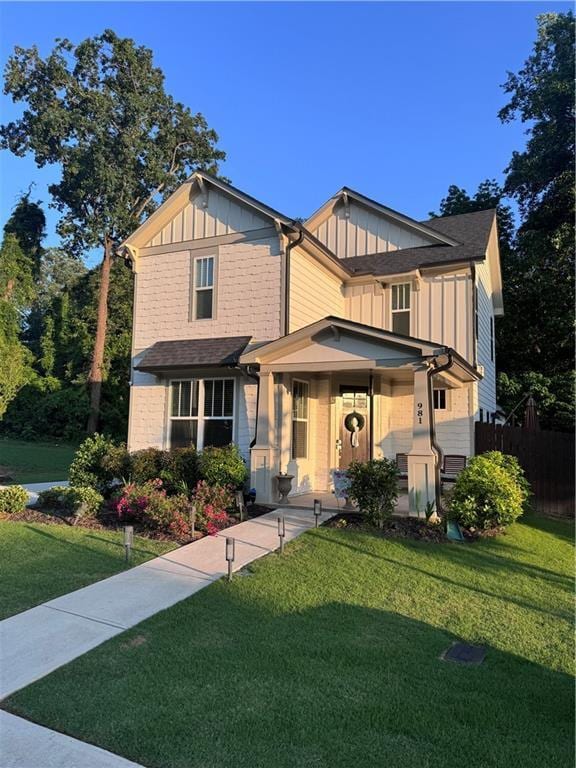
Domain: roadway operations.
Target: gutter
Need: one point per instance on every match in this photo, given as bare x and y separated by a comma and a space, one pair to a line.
433, 371
247, 371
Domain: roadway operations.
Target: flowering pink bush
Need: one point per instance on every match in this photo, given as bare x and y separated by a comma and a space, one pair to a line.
211, 503
142, 503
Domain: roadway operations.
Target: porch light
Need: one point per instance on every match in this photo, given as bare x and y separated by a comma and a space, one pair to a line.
281, 532
230, 553
317, 511
128, 541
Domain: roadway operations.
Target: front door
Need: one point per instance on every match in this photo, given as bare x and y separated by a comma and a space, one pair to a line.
354, 425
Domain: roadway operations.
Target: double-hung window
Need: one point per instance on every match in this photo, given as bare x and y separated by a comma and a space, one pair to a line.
401, 308
203, 303
201, 413
300, 396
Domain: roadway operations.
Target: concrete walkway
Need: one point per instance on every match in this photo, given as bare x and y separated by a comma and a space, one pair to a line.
38, 641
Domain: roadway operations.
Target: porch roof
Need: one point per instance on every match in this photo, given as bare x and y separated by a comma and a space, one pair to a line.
337, 344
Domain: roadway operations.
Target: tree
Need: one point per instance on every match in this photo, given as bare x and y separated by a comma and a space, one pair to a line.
16, 293
540, 328
28, 223
100, 110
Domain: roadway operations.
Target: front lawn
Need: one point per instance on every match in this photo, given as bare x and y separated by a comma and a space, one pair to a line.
35, 462
330, 657
40, 562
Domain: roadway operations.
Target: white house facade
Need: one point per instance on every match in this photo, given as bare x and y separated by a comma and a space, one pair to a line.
253, 328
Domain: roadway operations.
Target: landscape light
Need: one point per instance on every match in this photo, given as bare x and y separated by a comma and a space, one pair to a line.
128, 541
317, 511
281, 532
230, 552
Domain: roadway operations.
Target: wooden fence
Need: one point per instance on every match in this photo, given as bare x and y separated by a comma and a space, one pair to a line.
546, 457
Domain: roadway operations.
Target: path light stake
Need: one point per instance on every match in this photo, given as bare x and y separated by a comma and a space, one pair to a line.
281, 533
128, 541
230, 551
317, 511
193, 521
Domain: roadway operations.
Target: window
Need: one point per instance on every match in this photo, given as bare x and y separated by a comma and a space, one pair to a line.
492, 339
299, 419
401, 308
201, 413
439, 399
481, 414
203, 287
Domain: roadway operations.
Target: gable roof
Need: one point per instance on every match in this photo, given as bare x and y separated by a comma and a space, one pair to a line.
345, 194
193, 353
471, 229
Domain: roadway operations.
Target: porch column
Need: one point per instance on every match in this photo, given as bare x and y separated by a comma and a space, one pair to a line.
422, 458
263, 455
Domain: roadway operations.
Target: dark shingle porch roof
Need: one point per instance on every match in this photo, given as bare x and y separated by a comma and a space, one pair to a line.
193, 353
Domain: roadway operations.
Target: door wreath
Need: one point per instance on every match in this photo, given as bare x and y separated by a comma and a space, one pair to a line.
354, 423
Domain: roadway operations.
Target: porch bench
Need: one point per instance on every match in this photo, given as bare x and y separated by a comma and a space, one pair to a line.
451, 468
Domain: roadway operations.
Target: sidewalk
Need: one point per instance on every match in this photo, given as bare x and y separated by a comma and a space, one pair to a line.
38, 641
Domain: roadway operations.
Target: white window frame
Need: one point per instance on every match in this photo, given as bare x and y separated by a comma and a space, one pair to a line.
396, 286
196, 289
446, 399
305, 421
201, 419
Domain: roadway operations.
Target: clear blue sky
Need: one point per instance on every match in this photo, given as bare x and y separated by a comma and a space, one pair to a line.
396, 100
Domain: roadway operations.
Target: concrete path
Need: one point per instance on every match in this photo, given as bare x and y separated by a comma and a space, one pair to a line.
27, 745
38, 641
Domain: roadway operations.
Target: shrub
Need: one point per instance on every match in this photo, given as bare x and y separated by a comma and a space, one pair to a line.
146, 465
116, 462
80, 501
223, 466
145, 502
374, 487
180, 525
180, 472
211, 503
485, 495
87, 468
13, 499
511, 466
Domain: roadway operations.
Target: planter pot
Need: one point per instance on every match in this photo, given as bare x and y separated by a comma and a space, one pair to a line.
284, 487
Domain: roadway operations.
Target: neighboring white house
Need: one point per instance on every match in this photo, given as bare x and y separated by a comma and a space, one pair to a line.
254, 328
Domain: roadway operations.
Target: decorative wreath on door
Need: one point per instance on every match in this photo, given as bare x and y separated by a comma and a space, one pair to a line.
361, 421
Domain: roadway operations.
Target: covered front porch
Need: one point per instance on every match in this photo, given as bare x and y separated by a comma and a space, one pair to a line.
338, 391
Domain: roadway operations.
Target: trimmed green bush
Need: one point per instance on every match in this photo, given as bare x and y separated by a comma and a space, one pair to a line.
180, 472
486, 495
116, 462
223, 466
87, 469
13, 499
511, 466
374, 488
146, 465
80, 501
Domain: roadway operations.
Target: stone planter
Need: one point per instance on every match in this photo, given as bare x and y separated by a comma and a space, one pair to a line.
284, 487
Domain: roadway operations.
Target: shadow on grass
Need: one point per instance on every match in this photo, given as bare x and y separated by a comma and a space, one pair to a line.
332, 686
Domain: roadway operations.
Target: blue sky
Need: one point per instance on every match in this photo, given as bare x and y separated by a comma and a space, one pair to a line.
396, 100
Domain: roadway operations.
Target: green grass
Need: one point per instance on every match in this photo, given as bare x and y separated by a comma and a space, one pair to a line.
40, 562
35, 462
328, 657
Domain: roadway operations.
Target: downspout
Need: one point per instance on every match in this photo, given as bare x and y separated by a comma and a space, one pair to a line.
291, 244
371, 416
435, 447
247, 371
474, 315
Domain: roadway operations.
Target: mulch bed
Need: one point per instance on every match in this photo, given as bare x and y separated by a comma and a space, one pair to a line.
396, 528
108, 521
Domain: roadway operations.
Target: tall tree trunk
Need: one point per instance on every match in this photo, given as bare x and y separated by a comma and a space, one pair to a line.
96, 369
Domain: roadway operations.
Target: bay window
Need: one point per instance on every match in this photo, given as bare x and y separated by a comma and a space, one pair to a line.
201, 413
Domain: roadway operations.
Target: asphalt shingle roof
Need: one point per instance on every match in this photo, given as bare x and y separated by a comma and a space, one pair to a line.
193, 353
470, 229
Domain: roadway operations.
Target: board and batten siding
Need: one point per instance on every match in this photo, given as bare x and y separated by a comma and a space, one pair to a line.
209, 215
314, 292
441, 309
364, 231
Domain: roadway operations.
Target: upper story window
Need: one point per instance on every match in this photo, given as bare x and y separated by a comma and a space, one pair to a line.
401, 308
201, 413
300, 395
203, 288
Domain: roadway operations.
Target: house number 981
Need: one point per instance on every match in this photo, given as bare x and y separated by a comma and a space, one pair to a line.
419, 412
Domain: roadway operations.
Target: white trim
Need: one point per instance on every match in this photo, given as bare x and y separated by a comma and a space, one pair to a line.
303, 421
213, 287
408, 309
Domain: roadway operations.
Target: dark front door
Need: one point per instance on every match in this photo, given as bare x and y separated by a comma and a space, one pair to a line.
354, 425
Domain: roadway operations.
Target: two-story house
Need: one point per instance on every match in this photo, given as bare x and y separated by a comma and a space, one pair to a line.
359, 333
